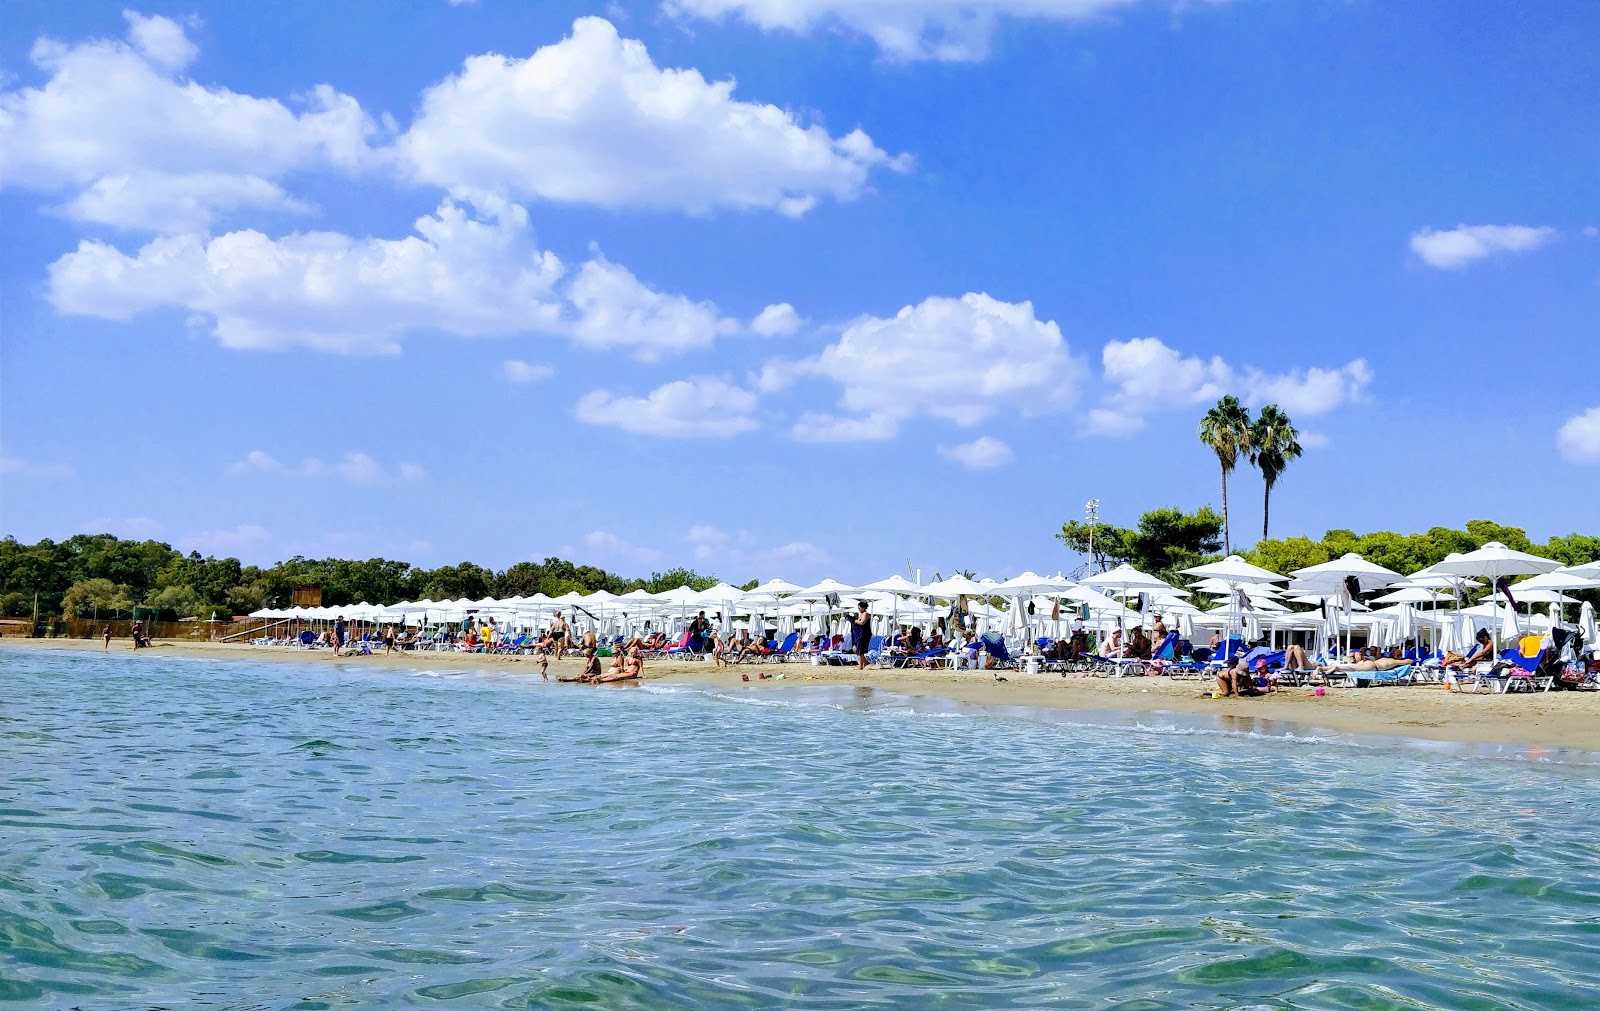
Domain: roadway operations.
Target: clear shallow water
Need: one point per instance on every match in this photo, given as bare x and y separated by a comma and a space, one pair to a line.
177, 832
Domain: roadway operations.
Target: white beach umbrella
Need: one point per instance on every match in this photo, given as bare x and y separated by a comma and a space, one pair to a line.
1235, 570
1032, 582
1126, 577
819, 590
1411, 595
1586, 624
955, 586
1350, 565
893, 584
1494, 561
777, 588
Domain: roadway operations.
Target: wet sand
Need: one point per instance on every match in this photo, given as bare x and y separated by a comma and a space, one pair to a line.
1552, 719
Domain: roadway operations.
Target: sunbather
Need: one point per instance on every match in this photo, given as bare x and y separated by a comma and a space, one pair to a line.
1294, 658
1235, 680
1481, 653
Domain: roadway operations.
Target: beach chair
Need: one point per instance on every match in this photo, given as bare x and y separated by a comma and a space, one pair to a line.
1515, 672
783, 650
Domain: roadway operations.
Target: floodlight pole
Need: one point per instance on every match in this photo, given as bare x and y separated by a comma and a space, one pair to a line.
1091, 512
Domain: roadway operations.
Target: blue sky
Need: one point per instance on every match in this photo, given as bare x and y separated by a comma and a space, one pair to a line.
789, 287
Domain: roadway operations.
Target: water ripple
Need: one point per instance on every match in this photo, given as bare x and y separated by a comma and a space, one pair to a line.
175, 830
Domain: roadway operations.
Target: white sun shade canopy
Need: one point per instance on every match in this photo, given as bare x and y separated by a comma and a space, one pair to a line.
1234, 569
1032, 582
1125, 577
893, 584
1561, 581
957, 586
1494, 560
824, 588
1370, 575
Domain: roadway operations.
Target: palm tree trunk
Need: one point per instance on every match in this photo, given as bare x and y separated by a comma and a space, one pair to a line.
1266, 511
1227, 540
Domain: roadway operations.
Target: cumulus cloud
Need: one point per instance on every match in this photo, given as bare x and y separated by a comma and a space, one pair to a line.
712, 546
460, 273
355, 466
591, 119
1464, 244
1579, 438
979, 454
525, 372
951, 30
777, 321
699, 407
135, 146
1144, 376
18, 467
605, 544
961, 359
615, 309
469, 270
225, 541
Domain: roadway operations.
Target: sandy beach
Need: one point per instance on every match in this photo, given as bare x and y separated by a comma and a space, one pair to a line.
1554, 719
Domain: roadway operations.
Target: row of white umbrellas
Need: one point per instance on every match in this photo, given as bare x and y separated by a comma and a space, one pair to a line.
1249, 588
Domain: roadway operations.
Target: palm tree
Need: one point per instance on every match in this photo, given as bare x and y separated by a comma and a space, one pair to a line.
1273, 443
1226, 430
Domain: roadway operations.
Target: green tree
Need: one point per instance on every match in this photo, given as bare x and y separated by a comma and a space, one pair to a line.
181, 599
1226, 431
660, 582
1288, 554
96, 594
1164, 541
1273, 444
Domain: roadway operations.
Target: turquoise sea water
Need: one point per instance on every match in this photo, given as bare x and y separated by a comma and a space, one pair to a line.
178, 832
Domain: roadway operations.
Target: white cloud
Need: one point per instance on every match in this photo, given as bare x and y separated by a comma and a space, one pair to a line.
777, 321
225, 541
953, 30
132, 527
614, 308
979, 454
525, 372
712, 546
1314, 440
255, 460
32, 468
161, 40
360, 468
591, 119
1464, 244
463, 274
470, 270
961, 359
814, 426
1579, 438
1144, 376
139, 148
700, 407
357, 467
606, 545
175, 202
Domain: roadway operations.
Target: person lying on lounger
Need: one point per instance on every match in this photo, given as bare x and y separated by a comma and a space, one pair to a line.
1367, 663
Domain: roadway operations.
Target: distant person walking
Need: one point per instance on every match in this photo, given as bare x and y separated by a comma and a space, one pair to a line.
340, 631
106, 636
861, 629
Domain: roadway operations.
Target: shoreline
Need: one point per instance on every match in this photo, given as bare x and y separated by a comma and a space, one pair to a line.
1544, 719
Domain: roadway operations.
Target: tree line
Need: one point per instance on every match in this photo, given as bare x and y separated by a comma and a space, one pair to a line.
1165, 541
101, 573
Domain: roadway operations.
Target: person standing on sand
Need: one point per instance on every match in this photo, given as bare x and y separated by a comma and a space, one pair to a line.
340, 631
861, 629
106, 635
558, 635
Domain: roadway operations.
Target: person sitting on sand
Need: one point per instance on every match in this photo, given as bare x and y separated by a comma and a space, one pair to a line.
615, 667
590, 669
1235, 680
